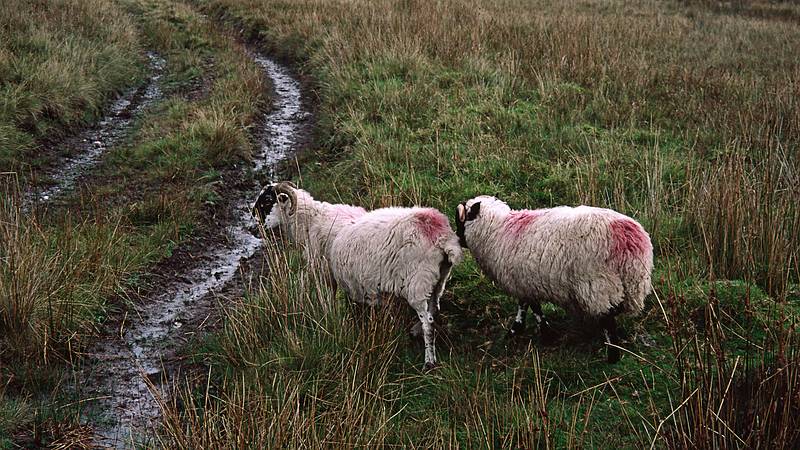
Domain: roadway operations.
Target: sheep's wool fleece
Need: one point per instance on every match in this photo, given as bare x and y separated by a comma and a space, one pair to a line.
393, 250
316, 223
587, 260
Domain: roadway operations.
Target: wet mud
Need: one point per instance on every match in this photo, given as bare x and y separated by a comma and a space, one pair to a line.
132, 370
86, 149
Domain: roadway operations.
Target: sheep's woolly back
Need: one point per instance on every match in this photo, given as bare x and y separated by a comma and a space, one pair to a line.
588, 260
316, 223
394, 250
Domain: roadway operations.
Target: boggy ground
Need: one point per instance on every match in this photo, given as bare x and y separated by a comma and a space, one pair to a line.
133, 374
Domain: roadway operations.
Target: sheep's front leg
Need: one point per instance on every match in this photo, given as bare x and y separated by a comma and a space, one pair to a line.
519, 322
609, 324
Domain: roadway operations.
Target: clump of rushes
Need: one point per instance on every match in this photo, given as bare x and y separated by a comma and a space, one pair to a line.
54, 282
681, 115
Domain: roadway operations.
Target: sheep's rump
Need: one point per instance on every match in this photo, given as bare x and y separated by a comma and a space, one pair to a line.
393, 250
585, 259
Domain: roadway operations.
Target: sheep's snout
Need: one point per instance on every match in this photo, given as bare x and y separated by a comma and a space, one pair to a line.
264, 202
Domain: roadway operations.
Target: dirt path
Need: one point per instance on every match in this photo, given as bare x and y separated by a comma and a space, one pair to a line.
134, 364
86, 148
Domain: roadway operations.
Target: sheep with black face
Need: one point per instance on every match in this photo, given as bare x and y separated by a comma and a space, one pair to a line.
406, 252
593, 262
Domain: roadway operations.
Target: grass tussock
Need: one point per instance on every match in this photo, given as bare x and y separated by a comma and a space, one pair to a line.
56, 280
746, 210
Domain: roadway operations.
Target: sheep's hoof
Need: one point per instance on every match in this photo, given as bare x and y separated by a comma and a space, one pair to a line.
429, 366
614, 355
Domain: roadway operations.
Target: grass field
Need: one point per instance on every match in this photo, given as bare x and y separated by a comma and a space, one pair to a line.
683, 115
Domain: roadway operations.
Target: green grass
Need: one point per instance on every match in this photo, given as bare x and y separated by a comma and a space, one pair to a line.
676, 114
680, 114
59, 70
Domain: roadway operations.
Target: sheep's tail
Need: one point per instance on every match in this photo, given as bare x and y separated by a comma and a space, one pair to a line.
637, 285
452, 249
435, 228
632, 255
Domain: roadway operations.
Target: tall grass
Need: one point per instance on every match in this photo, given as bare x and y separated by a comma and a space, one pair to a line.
294, 367
58, 69
55, 280
681, 114
744, 395
322, 373
746, 210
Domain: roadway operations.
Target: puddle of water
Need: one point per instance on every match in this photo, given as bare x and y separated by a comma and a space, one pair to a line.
131, 368
283, 124
92, 143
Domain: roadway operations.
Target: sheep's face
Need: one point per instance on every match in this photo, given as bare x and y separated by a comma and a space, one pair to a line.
264, 209
466, 212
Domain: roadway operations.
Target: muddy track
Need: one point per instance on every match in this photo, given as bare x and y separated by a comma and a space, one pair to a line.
133, 368
86, 148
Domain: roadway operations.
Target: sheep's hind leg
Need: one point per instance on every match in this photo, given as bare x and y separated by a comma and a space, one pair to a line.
434, 303
444, 273
609, 325
546, 332
426, 320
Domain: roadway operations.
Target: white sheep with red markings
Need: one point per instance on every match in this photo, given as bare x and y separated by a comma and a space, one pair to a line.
407, 252
593, 262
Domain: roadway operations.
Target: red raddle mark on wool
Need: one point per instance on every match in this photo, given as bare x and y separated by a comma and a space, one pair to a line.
628, 240
518, 221
432, 224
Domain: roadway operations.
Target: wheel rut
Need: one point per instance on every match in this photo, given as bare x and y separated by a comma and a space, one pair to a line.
87, 147
132, 372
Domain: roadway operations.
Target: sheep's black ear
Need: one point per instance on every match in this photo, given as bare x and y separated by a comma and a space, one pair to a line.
283, 197
474, 210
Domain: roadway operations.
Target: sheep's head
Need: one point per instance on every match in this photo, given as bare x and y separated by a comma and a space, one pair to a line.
465, 212
275, 204
476, 208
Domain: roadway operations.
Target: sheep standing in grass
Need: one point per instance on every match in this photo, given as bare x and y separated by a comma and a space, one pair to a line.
407, 252
593, 262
